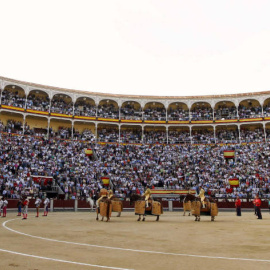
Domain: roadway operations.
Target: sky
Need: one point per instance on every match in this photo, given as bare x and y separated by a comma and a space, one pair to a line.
140, 47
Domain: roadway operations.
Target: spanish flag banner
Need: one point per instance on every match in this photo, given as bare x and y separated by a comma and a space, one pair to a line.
88, 152
105, 180
234, 182
229, 153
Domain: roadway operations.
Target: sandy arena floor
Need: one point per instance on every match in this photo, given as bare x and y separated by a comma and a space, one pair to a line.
78, 241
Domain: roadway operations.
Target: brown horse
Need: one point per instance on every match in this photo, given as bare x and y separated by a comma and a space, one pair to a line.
186, 207
117, 205
210, 207
144, 211
104, 209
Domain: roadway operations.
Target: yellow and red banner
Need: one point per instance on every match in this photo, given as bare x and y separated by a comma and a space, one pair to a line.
229, 153
108, 119
234, 182
62, 115
12, 108
178, 122
88, 152
251, 119
85, 117
38, 112
154, 122
202, 122
130, 121
226, 121
105, 180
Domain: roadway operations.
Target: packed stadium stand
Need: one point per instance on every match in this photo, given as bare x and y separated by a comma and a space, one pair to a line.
169, 142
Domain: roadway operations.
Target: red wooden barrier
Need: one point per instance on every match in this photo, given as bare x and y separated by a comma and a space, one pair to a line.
12, 204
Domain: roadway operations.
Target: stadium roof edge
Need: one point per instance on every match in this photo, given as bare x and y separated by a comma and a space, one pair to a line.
47, 87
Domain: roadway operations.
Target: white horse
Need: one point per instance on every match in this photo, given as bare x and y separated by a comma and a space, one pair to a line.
91, 202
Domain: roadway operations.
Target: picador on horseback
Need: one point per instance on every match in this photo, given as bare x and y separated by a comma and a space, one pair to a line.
104, 205
200, 205
108, 203
146, 205
147, 195
202, 196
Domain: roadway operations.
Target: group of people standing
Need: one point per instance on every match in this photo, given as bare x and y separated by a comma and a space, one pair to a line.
257, 206
24, 203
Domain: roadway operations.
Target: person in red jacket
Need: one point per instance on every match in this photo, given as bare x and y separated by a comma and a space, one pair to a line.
25, 208
238, 206
257, 203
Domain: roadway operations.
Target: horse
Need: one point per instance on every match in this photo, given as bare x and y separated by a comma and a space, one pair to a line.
91, 203
197, 210
186, 207
142, 210
104, 208
117, 205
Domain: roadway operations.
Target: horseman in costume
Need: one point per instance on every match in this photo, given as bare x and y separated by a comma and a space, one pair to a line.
110, 194
102, 194
106, 202
202, 196
147, 195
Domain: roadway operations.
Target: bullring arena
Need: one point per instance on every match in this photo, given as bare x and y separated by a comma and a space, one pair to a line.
78, 241
67, 144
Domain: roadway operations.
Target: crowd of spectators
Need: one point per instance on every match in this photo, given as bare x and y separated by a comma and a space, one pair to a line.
12, 126
266, 110
203, 136
154, 136
256, 135
38, 132
61, 105
37, 102
108, 135
227, 136
85, 135
225, 112
130, 167
108, 110
62, 133
129, 112
201, 112
154, 113
249, 111
178, 114
130, 136
175, 137
11, 98
84, 109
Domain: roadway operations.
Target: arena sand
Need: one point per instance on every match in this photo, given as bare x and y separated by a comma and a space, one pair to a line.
170, 242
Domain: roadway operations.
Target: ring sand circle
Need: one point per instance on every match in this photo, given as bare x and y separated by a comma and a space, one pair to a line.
129, 250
